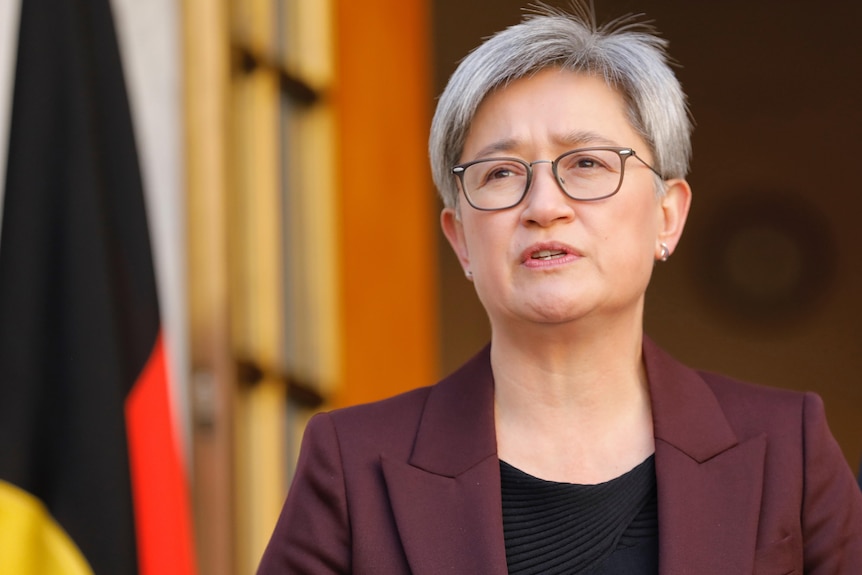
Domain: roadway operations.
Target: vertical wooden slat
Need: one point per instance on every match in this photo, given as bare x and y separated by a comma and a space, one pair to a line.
388, 208
313, 314
207, 64
313, 318
256, 259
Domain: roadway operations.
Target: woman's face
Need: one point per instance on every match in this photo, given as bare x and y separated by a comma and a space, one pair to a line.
552, 259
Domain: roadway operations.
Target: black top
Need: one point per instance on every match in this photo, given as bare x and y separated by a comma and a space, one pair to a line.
563, 528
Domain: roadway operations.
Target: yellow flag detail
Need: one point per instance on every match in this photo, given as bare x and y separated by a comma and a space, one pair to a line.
31, 542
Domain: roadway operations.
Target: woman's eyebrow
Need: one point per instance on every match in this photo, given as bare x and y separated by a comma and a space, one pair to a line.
571, 140
582, 138
498, 147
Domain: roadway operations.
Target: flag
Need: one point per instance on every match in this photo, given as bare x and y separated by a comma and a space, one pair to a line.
91, 474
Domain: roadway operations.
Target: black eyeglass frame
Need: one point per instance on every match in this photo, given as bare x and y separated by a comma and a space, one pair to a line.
624, 154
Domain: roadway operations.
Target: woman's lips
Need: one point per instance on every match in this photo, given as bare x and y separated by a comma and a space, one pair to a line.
547, 254
544, 255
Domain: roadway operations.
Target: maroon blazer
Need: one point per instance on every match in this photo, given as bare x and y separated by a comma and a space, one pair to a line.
750, 480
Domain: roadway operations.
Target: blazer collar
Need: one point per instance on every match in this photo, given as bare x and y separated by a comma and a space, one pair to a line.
710, 482
457, 428
446, 499
686, 413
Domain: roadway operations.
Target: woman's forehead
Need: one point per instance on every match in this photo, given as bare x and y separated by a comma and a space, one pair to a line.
554, 107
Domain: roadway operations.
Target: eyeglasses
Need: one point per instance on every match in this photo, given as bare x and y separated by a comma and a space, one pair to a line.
585, 174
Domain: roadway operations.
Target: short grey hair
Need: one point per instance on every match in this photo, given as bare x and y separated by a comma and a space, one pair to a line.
627, 52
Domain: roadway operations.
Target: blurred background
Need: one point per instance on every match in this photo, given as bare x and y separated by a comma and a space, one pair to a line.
294, 223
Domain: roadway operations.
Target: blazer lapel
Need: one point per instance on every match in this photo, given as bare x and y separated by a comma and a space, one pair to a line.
446, 498
709, 483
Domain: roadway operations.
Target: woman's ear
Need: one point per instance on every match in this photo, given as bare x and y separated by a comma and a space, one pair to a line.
674, 210
454, 232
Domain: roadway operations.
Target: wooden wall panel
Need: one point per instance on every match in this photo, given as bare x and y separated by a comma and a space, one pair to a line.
207, 74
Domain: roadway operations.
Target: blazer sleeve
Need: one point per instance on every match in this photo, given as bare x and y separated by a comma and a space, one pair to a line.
312, 534
832, 501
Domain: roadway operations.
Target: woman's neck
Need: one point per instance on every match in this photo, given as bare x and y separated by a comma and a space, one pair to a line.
572, 404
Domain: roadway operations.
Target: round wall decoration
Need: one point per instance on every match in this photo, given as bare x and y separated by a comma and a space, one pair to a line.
765, 257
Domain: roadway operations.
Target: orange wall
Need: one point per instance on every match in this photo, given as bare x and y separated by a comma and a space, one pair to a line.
388, 208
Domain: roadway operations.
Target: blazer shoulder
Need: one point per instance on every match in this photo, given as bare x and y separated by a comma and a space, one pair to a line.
727, 388
757, 406
393, 411
439, 419
352, 439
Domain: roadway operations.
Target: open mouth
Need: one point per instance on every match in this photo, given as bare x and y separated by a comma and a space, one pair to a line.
547, 254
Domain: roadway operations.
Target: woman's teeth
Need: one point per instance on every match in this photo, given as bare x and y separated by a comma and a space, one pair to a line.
547, 254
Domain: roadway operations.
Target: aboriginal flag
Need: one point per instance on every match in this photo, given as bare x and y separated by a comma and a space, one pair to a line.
91, 480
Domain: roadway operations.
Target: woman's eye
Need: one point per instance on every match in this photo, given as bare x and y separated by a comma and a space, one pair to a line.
499, 173
585, 163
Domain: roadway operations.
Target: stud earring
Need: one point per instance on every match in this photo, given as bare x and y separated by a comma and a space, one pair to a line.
469, 274
665, 252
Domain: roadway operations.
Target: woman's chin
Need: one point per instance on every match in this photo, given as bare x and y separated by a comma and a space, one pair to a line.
555, 310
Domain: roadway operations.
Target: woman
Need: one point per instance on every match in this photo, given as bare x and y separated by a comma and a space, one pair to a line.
572, 443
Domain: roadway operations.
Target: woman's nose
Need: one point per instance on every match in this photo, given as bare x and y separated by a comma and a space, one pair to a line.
546, 201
